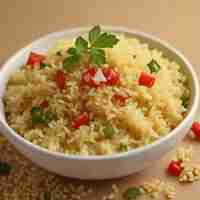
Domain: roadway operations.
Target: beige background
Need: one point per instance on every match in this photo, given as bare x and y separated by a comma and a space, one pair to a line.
175, 21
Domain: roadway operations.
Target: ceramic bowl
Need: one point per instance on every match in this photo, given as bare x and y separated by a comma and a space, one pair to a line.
98, 167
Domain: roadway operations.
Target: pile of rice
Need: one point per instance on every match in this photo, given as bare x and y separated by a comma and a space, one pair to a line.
148, 114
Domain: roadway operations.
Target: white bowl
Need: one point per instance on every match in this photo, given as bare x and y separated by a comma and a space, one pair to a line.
98, 167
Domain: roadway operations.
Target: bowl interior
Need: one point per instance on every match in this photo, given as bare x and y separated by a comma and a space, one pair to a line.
42, 44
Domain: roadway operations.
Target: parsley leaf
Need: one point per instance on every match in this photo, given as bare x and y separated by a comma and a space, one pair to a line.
72, 51
106, 40
97, 41
97, 56
132, 193
153, 66
94, 34
4, 168
70, 61
108, 131
81, 45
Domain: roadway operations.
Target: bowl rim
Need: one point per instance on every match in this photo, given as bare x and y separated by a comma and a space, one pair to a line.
132, 152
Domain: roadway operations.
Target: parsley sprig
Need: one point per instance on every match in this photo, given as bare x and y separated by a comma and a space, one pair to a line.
93, 48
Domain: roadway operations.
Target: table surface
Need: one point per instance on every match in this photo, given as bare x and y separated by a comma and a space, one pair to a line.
173, 21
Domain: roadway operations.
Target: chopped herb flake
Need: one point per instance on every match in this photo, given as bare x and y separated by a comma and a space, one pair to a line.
153, 66
45, 196
43, 65
132, 193
38, 116
185, 101
123, 147
35, 109
108, 131
4, 168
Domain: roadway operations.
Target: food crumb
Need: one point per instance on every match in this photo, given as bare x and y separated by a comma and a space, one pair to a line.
114, 194
190, 171
190, 174
27, 181
184, 154
155, 188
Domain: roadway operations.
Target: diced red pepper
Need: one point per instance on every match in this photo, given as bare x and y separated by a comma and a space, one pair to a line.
111, 75
196, 129
35, 58
146, 80
119, 99
80, 120
44, 104
88, 76
60, 79
175, 168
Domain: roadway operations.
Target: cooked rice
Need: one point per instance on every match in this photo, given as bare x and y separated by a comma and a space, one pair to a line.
149, 113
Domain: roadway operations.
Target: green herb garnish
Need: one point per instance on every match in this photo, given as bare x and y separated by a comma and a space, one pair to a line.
185, 101
43, 65
123, 147
4, 168
132, 193
108, 131
38, 116
93, 48
45, 196
105, 40
97, 56
35, 109
70, 61
153, 66
94, 34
